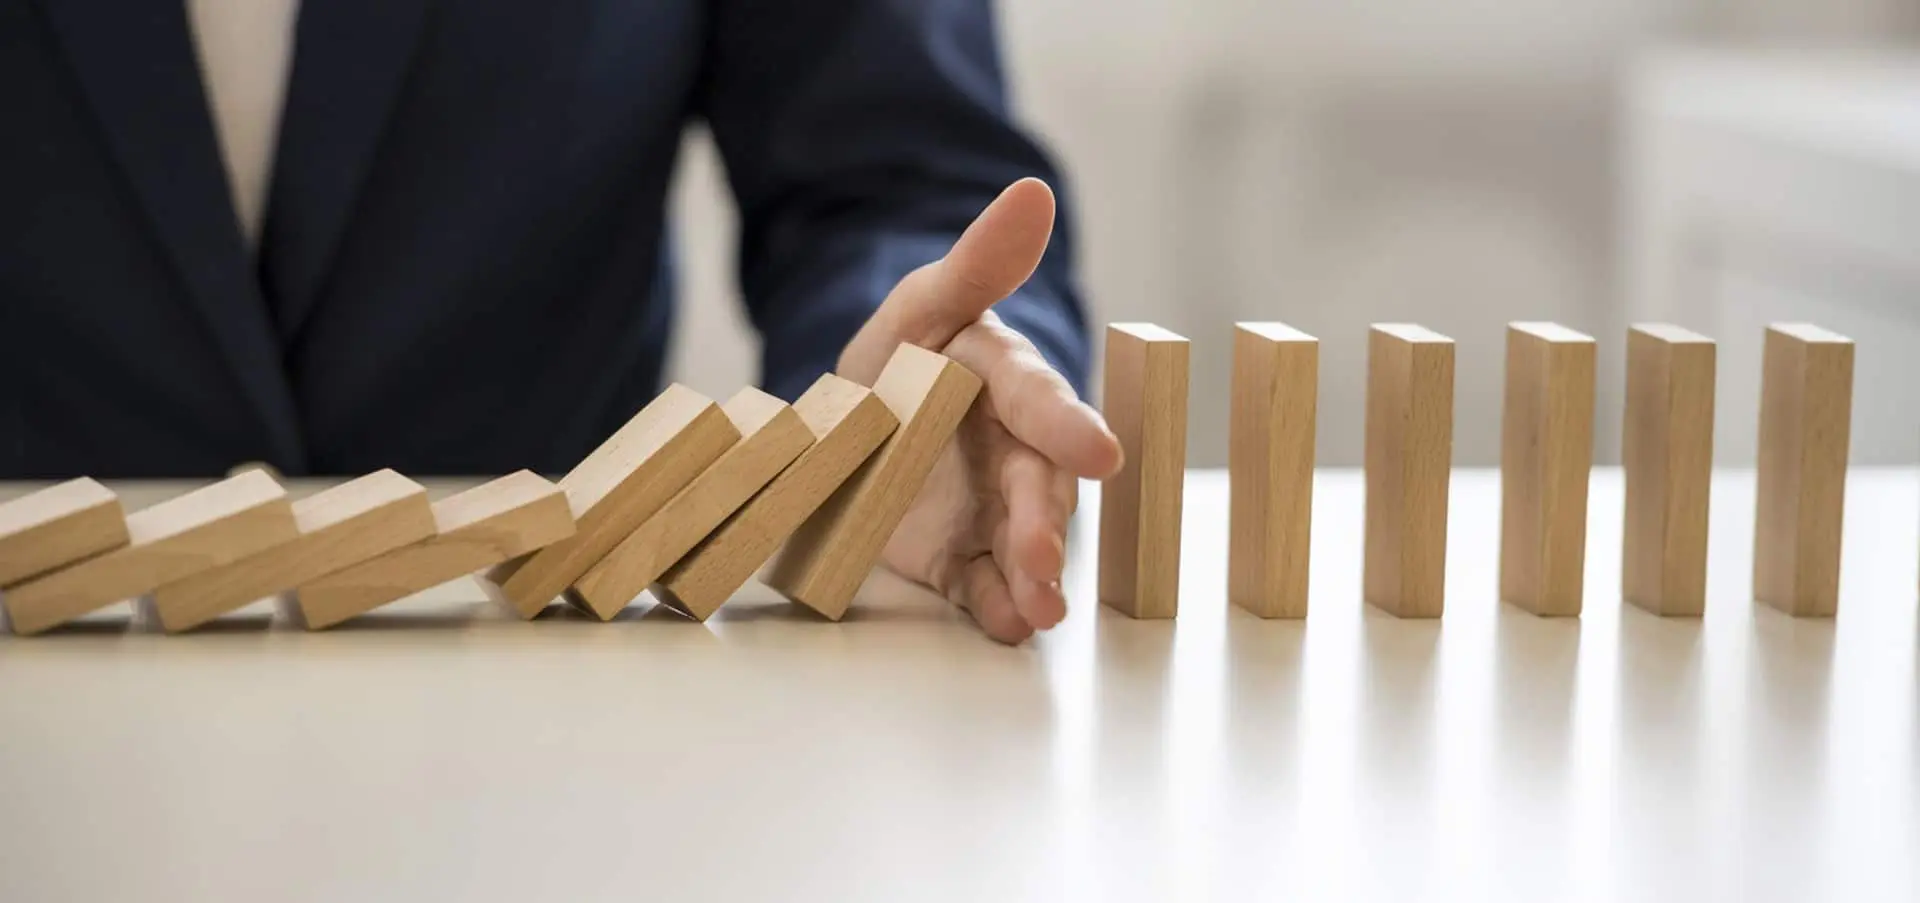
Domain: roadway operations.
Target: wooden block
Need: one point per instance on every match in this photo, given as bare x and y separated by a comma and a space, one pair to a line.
772, 435
617, 487
1666, 452
1806, 416
1546, 461
58, 526
1409, 463
1145, 401
831, 554
1276, 383
846, 423
512, 516
340, 527
204, 529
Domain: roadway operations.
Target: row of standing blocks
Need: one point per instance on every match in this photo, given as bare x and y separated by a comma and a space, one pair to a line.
690, 498
1546, 458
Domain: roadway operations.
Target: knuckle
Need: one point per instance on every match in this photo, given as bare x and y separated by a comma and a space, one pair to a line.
966, 280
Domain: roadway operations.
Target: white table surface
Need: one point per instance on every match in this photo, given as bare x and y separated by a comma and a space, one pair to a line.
442, 752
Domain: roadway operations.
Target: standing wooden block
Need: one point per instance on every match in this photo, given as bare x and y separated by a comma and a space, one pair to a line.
1276, 383
831, 554
204, 529
1145, 402
1546, 461
1409, 463
772, 435
1667, 454
845, 422
339, 528
481, 527
619, 486
57, 526
1806, 416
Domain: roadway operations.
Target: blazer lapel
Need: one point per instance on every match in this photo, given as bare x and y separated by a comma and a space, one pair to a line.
134, 60
350, 60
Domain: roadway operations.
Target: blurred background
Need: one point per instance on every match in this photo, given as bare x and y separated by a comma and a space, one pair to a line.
1720, 164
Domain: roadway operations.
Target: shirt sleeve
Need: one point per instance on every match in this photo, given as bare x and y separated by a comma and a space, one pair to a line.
860, 137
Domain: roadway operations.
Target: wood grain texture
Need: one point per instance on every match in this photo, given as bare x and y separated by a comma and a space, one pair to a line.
1546, 462
1144, 398
58, 526
772, 436
829, 557
204, 529
1409, 464
1270, 457
621, 484
339, 527
514, 515
1666, 453
1806, 415
847, 422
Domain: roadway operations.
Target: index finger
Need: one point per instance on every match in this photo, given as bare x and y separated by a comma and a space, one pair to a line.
1034, 402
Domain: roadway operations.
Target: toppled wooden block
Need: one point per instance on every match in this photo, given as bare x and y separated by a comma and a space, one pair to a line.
339, 527
1806, 422
1145, 402
1409, 468
1667, 456
58, 526
621, 484
846, 423
1546, 462
772, 435
512, 516
1270, 454
202, 530
829, 557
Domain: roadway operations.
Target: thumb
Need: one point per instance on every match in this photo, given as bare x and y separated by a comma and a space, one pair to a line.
996, 255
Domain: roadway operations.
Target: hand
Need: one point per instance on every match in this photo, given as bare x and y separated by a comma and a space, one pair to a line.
988, 531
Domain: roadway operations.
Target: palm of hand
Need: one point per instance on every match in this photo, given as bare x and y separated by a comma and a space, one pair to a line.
960, 538
988, 528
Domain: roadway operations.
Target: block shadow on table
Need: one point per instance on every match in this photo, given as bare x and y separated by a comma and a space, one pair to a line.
1397, 677
1658, 669
1264, 660
1789, 676
96, 626
1141, 650
1130, 701
1265, 705
403, 621
1536, 676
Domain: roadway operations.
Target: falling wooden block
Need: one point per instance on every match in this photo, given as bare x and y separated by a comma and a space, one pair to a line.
1667, 454
846, 422
340, 527
831, 554
202, 530
1409, 462
1145, 402
58, 526
1806, 415
1276, 382
772, 435
621, 484
509, 517
1546, 461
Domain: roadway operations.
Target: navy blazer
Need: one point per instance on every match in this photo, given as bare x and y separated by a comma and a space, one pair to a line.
465, 264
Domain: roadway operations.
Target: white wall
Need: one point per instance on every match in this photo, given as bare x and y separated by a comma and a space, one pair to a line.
1327, 164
